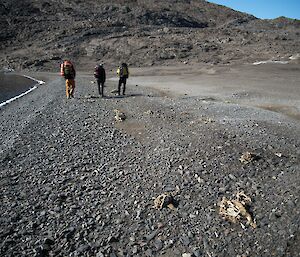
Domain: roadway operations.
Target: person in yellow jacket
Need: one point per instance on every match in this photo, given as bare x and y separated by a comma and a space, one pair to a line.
68, 71
123, 74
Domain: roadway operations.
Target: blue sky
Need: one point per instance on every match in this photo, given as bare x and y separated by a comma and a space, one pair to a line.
265, 9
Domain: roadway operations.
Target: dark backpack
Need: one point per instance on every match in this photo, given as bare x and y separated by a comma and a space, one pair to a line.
99, 72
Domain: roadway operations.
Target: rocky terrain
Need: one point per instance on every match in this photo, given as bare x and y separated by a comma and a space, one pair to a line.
36, 35
75, 182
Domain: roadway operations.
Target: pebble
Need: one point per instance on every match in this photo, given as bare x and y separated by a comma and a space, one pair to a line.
185, 240
158, 244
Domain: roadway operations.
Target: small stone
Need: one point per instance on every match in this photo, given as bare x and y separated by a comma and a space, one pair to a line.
160, 225
222, 189
113, 239
113, 254
151, 235
187, 255
197, 253
48, 241
192, 216
190, 234
200, 180
82, 249
232, 177
158, 244
135, 249
149, 253
185, 240
100, 254
290, 203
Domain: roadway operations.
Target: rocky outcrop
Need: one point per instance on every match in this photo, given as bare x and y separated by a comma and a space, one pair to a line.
140, 32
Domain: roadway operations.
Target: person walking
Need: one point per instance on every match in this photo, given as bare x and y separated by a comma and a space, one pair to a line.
100, 76
123, 73
68, 71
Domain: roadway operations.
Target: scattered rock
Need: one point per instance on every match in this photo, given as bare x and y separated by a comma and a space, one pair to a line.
149, 112
166, 200
119, 115
248, 157
235, 210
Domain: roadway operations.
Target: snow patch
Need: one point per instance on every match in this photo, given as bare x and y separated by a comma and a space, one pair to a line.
40, 82
270, 61
295, 57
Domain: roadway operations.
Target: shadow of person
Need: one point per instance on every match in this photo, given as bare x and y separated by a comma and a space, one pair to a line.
123, 96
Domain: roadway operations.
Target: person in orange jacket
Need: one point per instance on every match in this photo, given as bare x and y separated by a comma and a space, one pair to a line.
68, 71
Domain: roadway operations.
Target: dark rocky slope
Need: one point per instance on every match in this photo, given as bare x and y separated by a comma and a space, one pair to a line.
37, 34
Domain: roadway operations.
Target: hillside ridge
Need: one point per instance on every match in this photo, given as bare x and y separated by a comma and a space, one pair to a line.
38, 34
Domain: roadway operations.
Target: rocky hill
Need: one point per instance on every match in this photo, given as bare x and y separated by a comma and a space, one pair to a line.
37, 34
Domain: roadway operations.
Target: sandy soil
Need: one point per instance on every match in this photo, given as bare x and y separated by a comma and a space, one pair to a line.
273, 87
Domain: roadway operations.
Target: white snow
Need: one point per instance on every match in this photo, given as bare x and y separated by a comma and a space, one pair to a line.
270, 61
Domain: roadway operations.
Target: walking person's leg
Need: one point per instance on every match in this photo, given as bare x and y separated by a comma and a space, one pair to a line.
72, 90
102, 89
67, 88
119, 86
124, 87
99, 89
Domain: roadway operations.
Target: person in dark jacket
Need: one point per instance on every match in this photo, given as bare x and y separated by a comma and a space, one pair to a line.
100, 76
123, 74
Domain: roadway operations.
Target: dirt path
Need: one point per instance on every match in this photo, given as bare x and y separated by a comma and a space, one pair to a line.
77, 183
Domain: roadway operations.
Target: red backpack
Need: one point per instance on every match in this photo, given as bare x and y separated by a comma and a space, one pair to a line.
99, 72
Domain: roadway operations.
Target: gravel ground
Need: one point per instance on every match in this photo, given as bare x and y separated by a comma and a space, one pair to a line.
74, 182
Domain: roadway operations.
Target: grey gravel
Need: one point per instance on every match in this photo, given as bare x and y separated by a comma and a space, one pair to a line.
70, 188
